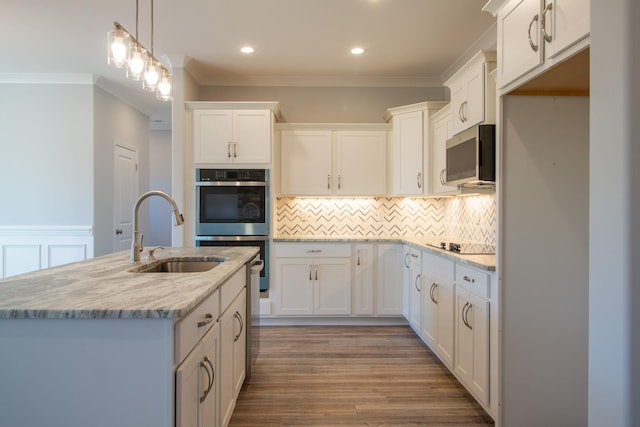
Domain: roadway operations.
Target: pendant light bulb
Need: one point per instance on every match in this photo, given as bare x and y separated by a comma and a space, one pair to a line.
117, 45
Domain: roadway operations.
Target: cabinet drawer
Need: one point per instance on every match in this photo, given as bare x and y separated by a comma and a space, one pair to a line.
194, 325
473, 280
313, 250
231, 288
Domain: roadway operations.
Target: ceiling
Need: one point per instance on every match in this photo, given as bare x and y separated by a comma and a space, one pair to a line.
297, 42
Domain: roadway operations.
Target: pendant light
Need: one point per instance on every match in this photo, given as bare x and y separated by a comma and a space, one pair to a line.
125, 51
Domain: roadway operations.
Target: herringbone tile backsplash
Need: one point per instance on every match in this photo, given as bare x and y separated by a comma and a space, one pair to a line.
470, 218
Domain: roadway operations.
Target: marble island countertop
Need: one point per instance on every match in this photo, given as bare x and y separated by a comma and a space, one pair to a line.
103, 287
483, 261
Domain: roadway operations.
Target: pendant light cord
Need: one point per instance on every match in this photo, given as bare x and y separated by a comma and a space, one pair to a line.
151, 27
137, 20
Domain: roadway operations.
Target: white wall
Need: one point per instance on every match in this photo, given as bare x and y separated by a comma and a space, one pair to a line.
160, 215
46, 154
614, 239
328, 104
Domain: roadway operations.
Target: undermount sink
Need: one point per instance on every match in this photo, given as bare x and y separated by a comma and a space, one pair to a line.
180, 266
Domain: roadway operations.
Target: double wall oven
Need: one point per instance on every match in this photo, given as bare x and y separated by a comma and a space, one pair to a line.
232, 209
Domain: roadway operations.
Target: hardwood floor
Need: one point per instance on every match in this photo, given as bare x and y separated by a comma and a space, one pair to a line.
351, 376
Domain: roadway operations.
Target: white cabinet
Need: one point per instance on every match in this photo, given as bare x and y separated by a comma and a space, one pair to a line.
411, 147
438, 305
473, 93
363, 280
231, 136
412, 285
360, 163
442, 131
472, 331
322, 161
313, 279
389, 280
532, 34
232, 345
197, 383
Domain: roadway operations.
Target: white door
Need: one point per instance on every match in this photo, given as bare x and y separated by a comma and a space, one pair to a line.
125, 192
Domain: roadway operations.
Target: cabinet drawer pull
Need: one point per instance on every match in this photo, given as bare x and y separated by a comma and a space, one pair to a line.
328, 182
229, 149
465, 315
406, 264
235, 149
310, 278
205, 393
531, 43
238, 316
314, 251
548, 37
208, 318
419, 179
339, 182
416, 282
414, 255
315, 269
469, 279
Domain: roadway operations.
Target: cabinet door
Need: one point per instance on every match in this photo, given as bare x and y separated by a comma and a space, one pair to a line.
213, 136
294, 286
479, 318
444, 294
464, 338
332, 286
406, 279
415, 296
430, 311
566, 22
227, 398
407, 140
389, 283
442, 131
251, 136
520, 44
363, 277
474, 110
238, 308
305, 163
361, 163
190, 387
211, 347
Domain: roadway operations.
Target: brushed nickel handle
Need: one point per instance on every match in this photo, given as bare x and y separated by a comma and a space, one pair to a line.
460, 113
119, 231
469, 279
235, 149
442, 181
314, 251
208, 318
339, 182
405, 260
414, 255
310, 278
238, 316
213, 372
466, 316
416, 282
229, 149
358, 260
205, 392
463, 108
328, 182
315, 269
419, 178
531, 43
548, 37
433, 288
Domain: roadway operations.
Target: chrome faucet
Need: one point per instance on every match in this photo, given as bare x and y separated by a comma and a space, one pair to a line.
136, 246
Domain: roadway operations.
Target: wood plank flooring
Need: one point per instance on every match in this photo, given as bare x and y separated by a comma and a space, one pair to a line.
351, 376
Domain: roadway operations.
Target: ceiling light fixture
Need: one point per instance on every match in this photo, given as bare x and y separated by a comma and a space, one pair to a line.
357, 51
124, 50
247, 49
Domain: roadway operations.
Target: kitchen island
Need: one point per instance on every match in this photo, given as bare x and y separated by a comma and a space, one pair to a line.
93, 343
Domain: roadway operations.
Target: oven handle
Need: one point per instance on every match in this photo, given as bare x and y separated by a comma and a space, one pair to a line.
231, 238
231, 184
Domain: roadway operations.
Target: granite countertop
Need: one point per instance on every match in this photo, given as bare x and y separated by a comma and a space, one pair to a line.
484, 262
104, 288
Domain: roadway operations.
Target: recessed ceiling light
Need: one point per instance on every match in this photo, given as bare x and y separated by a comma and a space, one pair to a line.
247, 49
357, 51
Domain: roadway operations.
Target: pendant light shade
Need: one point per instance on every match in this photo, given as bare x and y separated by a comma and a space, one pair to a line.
151, 74
118, 47
137, 58
165, 86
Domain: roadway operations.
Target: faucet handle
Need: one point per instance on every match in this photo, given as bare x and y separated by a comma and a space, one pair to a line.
151, 251
141, 239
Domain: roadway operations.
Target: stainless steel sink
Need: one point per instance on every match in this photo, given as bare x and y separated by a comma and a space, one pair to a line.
180, 266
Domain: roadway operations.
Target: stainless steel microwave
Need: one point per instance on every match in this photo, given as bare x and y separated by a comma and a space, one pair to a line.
471, 157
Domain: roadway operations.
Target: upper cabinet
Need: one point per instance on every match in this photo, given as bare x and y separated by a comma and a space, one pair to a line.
442, 131
333, 160
534, 35
411, 147
231, 136
473, 92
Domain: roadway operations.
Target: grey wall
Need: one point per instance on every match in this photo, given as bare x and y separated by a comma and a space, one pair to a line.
116, 121
160, 216
328, 104
614, 276
46, 154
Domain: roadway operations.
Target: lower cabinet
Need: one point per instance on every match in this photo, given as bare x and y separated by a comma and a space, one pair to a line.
438, 305
363, 280
472, 332
232, 357
414, 288
388, 294
313, 279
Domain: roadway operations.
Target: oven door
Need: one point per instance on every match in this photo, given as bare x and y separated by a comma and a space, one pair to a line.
261, 241
232, 208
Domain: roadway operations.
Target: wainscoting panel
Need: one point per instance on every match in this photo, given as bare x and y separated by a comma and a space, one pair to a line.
24, 249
